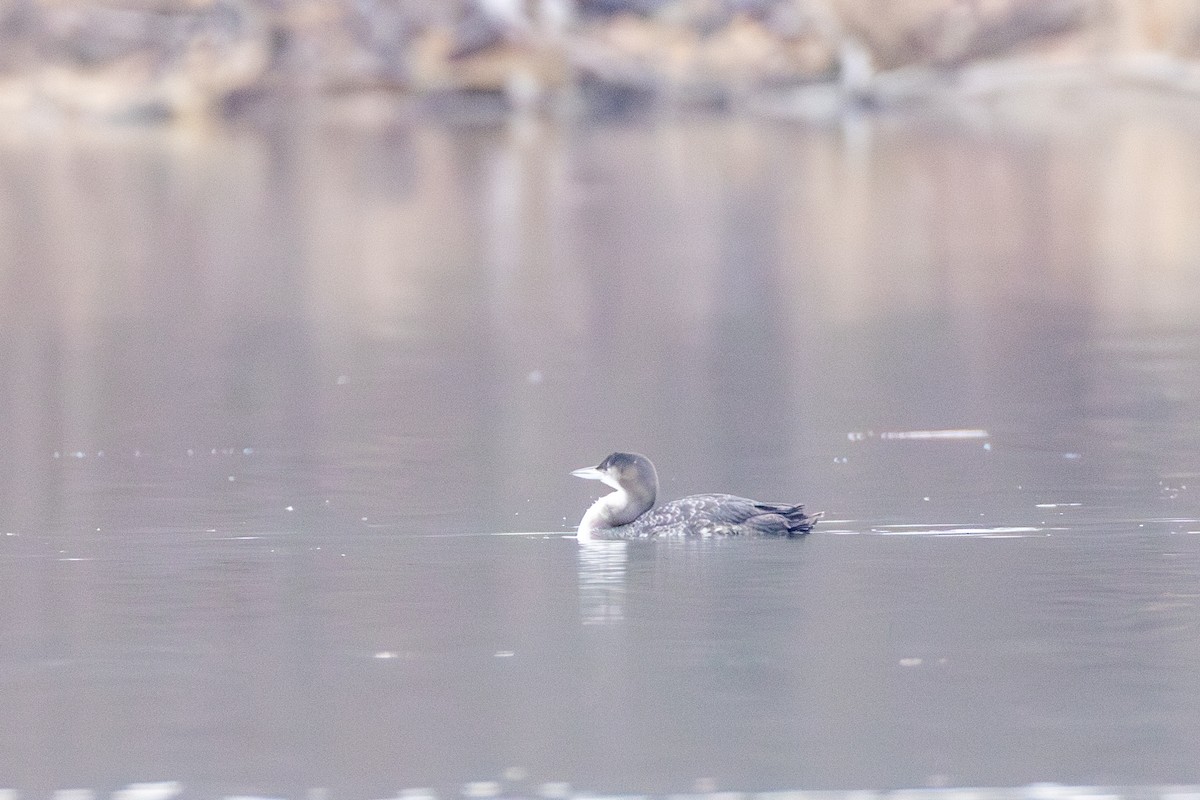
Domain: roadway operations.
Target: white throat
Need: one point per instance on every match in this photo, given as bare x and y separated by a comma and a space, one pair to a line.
613, 511
601, 514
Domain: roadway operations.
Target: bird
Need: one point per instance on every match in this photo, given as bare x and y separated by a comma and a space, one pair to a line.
629, 512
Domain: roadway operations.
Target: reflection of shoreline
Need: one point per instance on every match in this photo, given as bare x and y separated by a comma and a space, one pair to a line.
898, 219
602, 582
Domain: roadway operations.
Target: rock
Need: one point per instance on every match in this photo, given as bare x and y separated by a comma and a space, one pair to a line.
138, 63
740, 54
949, 33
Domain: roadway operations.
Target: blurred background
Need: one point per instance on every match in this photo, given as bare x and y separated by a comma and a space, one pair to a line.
308, 310
146, 60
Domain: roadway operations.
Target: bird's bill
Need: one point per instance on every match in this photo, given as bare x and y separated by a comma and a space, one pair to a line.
590, 473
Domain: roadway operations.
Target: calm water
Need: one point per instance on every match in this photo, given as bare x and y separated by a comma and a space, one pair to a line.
267, 401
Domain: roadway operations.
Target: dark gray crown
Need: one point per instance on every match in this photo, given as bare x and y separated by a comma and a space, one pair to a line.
620, 461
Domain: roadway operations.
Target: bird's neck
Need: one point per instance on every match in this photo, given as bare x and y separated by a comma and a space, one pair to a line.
614, 510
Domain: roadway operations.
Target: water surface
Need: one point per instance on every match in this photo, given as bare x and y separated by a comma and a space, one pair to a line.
268, 398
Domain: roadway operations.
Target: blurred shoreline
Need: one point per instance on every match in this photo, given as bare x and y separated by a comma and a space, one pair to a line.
155, 61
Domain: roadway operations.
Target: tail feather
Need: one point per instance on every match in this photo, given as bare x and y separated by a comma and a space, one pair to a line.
798, 523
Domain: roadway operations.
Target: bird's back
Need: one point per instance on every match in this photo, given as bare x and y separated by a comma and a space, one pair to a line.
707, 515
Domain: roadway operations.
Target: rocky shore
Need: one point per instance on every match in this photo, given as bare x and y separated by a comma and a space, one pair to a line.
150, 60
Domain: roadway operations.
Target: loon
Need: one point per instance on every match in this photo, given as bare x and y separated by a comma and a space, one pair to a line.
628, 512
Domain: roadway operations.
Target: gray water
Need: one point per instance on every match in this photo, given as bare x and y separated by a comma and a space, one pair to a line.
268, 399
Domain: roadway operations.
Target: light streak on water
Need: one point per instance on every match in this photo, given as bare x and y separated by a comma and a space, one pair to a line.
945, 433
965, 433
1002, 532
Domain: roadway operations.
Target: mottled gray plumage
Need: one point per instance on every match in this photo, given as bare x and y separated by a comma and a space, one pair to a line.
716, 515
628, 513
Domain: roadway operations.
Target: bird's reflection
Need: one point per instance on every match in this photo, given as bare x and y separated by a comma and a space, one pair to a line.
602, 582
